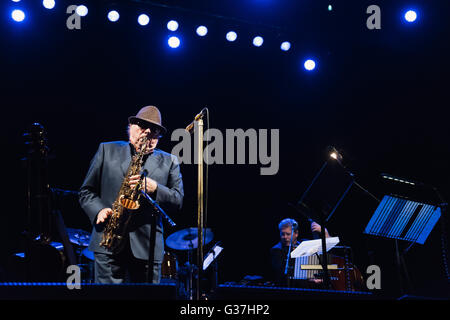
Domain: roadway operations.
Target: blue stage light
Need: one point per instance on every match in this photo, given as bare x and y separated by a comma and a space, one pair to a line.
174, 42
258, 41
410, 16
202, 31
231, 36
18, 15
285, 46
143, 19
309, 65
48, 4
172, 25
113, 16
82, 10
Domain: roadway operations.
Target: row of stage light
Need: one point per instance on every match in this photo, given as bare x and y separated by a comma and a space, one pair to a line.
174, 42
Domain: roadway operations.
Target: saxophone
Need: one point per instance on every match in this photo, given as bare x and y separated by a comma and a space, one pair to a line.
128, 198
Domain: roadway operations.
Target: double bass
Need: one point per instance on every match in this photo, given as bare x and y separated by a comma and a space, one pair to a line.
45, 259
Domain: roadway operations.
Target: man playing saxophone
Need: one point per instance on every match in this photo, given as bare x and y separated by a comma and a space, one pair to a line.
117, 169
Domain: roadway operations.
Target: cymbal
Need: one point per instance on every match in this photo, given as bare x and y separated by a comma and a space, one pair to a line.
187, 239
78, 236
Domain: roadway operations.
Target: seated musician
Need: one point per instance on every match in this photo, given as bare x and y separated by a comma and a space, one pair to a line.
289, 228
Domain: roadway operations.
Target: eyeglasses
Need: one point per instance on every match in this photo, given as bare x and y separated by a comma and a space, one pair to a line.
155, 132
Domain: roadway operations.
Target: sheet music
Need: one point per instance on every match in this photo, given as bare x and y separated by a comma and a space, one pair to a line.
211, 256
307, 248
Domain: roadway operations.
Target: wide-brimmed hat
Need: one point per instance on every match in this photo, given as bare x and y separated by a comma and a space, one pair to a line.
151, 115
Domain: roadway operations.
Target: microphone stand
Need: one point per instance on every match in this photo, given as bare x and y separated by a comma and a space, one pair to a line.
160, 212
158, 209
286, 268
190, 271
200, 205
197, 126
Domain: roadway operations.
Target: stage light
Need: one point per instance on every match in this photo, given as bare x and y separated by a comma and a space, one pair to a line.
309, 65
15, 0
48, 4
143, 19
330, 7
113, 16
410, 16
174, 42
202, 31
172, 25
18, 15
258, 41
285, 46
231, 36
82, 10
334, 154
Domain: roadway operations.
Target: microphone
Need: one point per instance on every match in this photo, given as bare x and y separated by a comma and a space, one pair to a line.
143, 176
196, 118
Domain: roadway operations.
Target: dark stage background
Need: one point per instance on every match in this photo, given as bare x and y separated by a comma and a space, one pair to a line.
381, 96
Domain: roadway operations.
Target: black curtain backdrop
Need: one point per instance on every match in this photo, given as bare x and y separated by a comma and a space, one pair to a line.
381, 96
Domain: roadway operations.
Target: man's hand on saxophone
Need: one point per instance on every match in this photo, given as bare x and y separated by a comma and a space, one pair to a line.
150, 184
103, 215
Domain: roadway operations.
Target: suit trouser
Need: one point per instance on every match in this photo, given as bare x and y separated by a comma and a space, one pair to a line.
124, 267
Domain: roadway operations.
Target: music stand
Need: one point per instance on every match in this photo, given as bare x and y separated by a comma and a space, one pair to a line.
400, 217
403, 219
310, 247
211, 258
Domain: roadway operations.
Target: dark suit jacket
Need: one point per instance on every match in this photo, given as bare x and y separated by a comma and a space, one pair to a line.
278, 255
102, 184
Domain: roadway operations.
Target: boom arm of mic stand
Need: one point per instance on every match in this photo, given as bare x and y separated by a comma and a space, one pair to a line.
157, 208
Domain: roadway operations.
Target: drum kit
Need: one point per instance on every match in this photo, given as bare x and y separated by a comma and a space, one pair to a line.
85, 258
181, 242
48, 260
80, 239
184, 241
